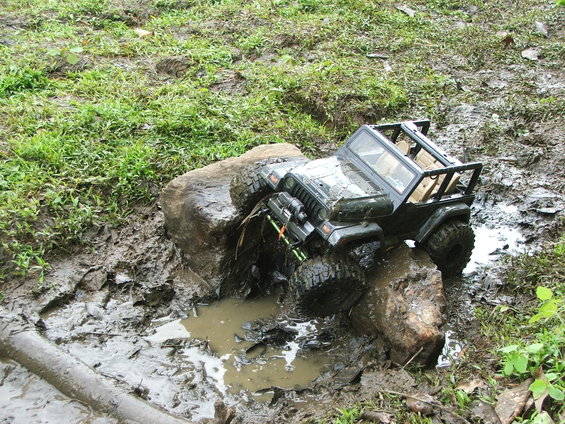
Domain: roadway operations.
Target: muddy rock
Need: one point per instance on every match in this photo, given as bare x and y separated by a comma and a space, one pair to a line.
203, 223
405, 303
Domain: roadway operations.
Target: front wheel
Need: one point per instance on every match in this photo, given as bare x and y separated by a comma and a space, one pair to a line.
248, 187
450, 247
326, 285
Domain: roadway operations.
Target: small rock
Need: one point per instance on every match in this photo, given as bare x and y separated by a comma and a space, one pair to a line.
421, 403
95, 311
547, 211
405, 303
406, 10
122, 279
541, 28
531, 54
377, 417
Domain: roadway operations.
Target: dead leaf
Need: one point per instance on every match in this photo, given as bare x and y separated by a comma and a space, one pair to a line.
542, 29
143, 33
407, 10
511, 402
470, 386
531, 54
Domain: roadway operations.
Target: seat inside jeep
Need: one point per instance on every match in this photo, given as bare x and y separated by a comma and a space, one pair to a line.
430, 185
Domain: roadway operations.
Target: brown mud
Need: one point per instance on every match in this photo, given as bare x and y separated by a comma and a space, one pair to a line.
129, 309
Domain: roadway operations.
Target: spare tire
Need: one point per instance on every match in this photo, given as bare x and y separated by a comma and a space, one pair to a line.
326, 285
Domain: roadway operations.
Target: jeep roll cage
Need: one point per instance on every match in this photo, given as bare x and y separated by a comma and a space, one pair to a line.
417, 146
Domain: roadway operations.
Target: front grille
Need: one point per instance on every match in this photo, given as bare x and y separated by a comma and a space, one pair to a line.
311, 206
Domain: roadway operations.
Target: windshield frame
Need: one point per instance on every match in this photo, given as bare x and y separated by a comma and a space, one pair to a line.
378, 141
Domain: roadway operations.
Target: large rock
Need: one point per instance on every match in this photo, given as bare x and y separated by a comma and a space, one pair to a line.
405, 303
203, 223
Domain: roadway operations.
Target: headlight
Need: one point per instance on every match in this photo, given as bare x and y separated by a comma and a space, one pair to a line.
322, 214
289, 183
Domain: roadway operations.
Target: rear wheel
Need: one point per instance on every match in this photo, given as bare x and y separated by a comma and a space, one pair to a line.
450, 247
326, 285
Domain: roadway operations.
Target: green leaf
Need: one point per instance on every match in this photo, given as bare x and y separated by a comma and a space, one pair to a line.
54, 51
543, 293
542, 418
548, 309
535, 318
508, 349
71, 58
508, 368
76, 49
520, 363
555, 393
534, 348
538, 388
551, 376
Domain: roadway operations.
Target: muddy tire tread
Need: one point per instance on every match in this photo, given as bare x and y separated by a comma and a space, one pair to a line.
449, 235
248, 187
339, 278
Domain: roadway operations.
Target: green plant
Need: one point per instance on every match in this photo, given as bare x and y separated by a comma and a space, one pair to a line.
15, 79
348, 415
541, 359
70, 54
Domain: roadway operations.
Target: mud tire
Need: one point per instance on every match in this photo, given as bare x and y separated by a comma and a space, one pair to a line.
450, 247
248, 187
326, 285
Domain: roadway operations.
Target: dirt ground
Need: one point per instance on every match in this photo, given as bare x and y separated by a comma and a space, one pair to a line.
106, 302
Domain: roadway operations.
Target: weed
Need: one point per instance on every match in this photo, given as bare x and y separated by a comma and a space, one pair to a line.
348, 415
70, 55
15, 79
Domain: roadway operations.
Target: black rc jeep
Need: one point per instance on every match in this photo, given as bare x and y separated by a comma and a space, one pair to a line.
388, 183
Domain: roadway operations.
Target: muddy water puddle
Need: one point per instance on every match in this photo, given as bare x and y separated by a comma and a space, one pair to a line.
243, 356
491, 243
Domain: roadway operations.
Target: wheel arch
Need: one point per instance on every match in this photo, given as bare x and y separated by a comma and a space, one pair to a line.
460, 212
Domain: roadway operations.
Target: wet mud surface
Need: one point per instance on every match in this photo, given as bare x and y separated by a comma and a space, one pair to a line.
127, 305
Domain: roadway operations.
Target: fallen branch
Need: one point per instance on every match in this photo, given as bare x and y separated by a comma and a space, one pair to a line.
20, 342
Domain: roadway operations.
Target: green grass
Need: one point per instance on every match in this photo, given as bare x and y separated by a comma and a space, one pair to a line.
84, 143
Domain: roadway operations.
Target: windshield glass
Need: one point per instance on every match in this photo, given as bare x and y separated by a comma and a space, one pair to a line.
384, 163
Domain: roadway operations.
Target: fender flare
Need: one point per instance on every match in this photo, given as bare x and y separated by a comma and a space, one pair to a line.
459, 211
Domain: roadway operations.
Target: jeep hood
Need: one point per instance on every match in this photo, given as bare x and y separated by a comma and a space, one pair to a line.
343, 189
